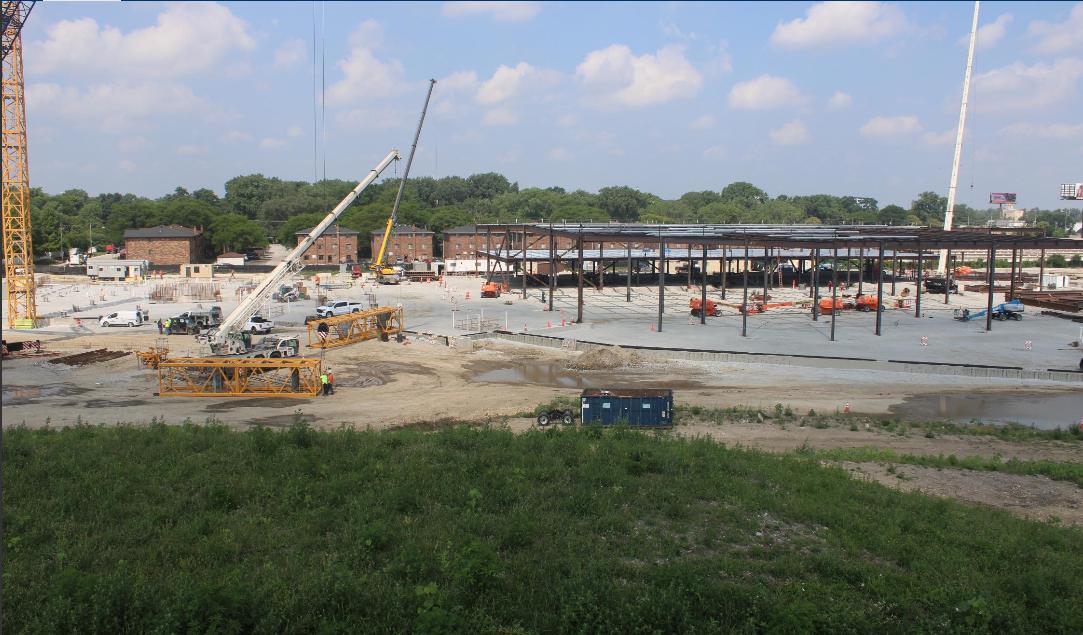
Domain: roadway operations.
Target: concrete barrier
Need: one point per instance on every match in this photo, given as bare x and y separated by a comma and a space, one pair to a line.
792, 360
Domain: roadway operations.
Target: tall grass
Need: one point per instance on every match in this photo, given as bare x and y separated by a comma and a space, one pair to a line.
196, 529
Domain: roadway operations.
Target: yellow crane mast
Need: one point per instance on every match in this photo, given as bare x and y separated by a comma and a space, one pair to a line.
18, 250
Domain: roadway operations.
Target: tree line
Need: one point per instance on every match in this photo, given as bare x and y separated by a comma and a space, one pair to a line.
256, 207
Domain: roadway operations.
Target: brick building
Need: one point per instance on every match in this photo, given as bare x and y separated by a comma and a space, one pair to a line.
464, 243
166, 245
408, 243
337, 245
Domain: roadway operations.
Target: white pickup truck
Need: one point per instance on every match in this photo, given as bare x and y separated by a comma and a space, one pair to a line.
257, 324
341, 307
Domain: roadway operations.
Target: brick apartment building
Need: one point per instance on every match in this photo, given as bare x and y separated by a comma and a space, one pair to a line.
464, 243
337, 245
408, 243
166, 245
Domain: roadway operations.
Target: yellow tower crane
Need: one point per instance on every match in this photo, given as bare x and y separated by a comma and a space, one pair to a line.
18, 250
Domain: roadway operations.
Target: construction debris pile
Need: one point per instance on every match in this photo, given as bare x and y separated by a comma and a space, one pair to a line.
605, 359
89, 357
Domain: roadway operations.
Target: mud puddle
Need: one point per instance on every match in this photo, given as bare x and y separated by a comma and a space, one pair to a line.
558, 376
1041, 410
229, 404
356, 376
18, 395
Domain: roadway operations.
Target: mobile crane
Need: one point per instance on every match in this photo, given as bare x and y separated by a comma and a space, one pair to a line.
228, 339
385, 273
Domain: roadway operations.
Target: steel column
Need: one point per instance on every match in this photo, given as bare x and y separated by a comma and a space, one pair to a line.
861, 270
725, 269
992, 281
1041, 271
894, 269
880, 288
834, 290
579, 272
1011, 285
552, 267
744, 306
524, 262
816, 284
628, 291
917, 300
661, 279
947, 278
703, 291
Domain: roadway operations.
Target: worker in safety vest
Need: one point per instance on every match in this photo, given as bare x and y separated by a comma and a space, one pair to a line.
323, 382
166, 324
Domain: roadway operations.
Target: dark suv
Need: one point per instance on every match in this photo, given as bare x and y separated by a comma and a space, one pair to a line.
939, 285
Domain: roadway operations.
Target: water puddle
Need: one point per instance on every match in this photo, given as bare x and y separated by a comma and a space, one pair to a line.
557, 376
1042, 411
24, 394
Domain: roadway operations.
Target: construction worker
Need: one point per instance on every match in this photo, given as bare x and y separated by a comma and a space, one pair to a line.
166, 324
330, 382
323, 382
160, 326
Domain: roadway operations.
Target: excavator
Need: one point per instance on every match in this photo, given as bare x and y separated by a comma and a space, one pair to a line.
386, 274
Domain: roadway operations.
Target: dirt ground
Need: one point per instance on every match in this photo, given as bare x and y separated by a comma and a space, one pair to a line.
382, 385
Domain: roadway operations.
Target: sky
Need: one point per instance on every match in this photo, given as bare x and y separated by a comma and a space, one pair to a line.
851, 99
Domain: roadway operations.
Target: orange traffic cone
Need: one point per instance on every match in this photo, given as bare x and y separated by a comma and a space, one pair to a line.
524, 328
652, 327
563, 322
847, 406
548, 325
467, 295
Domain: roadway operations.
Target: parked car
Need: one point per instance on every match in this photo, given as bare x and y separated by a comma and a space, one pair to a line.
258, 324
181, 325
340, 307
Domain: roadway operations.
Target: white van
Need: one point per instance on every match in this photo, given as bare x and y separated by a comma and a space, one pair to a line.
122, 318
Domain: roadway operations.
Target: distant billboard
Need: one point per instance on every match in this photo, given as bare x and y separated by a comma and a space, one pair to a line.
1002, 197
1072, 191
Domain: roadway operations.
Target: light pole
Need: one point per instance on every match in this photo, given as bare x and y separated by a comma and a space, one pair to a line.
90, 249
62, 254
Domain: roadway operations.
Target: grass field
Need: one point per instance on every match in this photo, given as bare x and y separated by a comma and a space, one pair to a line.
196, 529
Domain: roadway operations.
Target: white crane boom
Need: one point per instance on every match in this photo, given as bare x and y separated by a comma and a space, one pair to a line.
222, 339
949, 213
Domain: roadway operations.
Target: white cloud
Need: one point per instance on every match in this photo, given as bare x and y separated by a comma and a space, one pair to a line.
989, 34
127, 166
291, 53
891, 127
384, 118
765, 93
458, 81
294, 131
619, 78
944, 138
1020, 87
1058, 38
271, 144
722, 62
1045, 131
567, 121
191, 150
509, 157
118, 107
838, 24
366, 77
189, 38
669, 148
133, 144
715, 153
369, 34
500, 117
508, 82
499, 11
840, 101
790, 134
706, 122
235, 136
470, 136
559, 154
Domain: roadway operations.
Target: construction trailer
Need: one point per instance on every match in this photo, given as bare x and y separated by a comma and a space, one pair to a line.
110, 269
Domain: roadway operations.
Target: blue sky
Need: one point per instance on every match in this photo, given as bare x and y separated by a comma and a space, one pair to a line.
798, 98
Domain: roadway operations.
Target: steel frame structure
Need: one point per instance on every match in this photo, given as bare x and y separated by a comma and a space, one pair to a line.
237, 377
18, 250
355, 327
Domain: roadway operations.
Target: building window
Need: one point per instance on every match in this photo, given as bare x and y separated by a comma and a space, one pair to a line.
335, 246
471, 245
458, 246
320, 257
319, 245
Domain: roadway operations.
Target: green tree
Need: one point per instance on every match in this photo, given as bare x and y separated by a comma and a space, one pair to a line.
622, 203
744, 194
489, 185
232, 232
929, 205
893, 215
246, 194
287, 233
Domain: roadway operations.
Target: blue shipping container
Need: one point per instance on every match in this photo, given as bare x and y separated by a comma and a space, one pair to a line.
632, 407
